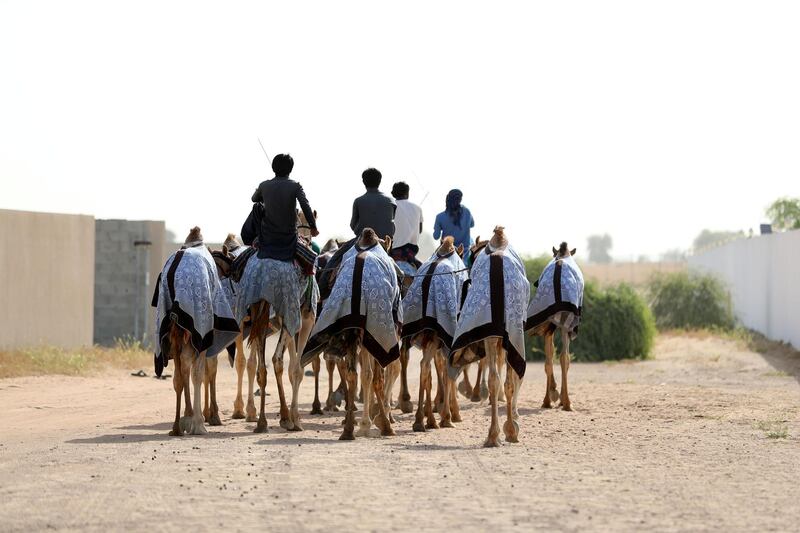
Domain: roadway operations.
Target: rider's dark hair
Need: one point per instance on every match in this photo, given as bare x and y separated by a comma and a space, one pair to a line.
282, 165
371, 177
400, 190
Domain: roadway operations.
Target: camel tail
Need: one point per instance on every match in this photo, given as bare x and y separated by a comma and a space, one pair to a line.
259, 322
176, 340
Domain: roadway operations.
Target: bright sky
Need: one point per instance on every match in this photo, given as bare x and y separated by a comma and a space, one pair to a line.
646, 120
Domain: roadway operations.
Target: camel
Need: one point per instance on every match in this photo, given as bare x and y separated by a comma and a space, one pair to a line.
557, 307
359, 323
270, 285
493, 315
431, 312
195, 323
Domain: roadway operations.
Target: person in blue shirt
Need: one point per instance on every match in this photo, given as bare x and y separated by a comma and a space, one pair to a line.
455, 221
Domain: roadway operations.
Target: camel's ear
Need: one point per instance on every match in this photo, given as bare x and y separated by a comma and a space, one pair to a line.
225, 250
461, 250
572, 252
555, 252
315, 214
387, 243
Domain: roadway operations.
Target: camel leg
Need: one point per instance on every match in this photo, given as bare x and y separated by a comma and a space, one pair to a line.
316, 406
382, 421
512, 386
393, 370
425, 363
330, 405
438, 401
493, 346
295, 378
177, 383
444, 390
277, 367
479, 379
565, 404
240, 363
455, 412
465, 387
404, 400
261, 348
186, 376
549, 348
206, 396
341, 390
350, 394
211, 377
430, 419
198, 373
366, 381
252, 368
501, 363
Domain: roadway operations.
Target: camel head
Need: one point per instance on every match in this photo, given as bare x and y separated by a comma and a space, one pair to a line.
447, 247
231, 244
331, 246
563, 251
369, 239
194, 238
499, 240
303, 228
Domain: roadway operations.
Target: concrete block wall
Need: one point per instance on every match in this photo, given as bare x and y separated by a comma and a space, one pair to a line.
46, 279
124, 278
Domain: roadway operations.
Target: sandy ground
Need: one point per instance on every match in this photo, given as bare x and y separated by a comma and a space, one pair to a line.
675, 443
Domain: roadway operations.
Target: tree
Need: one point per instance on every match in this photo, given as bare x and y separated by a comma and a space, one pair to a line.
599, 247
708, 238
784, 213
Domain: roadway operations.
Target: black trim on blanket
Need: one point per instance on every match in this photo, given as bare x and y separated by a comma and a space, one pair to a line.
427, 323
154, 301
557, 281
535, 322
171, 275
497, 327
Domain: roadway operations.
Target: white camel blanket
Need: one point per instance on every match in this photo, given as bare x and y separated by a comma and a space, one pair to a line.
495, 305
434, 298
279, 283
373, 305
189, 291
560, 288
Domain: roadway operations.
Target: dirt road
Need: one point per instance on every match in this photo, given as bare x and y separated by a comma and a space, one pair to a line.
704, 436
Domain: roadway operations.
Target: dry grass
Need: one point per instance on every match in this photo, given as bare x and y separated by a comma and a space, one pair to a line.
73, 362
774, 429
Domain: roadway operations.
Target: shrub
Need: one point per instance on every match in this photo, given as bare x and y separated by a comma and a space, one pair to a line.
684, 300
615, 324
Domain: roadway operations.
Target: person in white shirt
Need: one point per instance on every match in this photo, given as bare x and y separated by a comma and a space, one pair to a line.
407, 226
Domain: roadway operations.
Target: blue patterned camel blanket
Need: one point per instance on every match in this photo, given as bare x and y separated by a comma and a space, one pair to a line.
434, 298
495, 306
189, 292
365, 296
560, 288
282, 284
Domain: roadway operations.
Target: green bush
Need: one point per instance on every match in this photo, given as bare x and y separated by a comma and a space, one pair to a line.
690, 301
615, 323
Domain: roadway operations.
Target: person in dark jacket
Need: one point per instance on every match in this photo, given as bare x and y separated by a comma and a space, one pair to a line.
277, 235
373, 209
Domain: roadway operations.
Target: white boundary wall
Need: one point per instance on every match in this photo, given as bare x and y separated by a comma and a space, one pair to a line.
763, 275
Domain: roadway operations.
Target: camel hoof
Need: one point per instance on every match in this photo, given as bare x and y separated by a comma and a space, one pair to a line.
432, 424
383, 424
238, 415
419, 427
176, 431
347, 435
484, 392
261, 427
491, 442
286, 424
331, 409
475, 398
554, 397
456, 418
445, 423
406, 406
316, 408
566, 406
511, 429
206, 416
464, 390
215, 421
185, 424
338, 398
198, 428
546, 405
